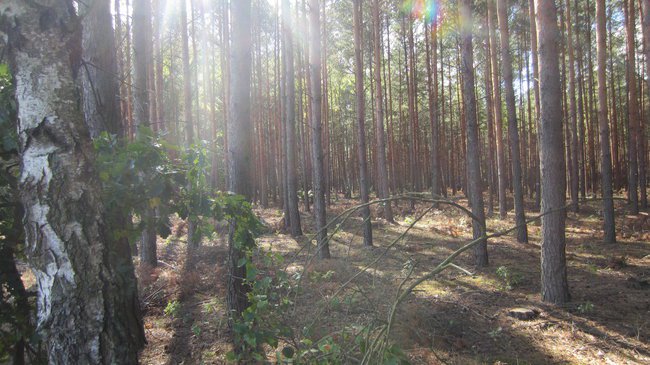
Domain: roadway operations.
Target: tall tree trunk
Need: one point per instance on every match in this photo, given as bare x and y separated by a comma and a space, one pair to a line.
290, 122
535, 58
473, 154
489, 102
99, 66
87, 310
555, 287
241, 142
142, 51
187, 77
100, 90
432, 85
380, 135
361, 116
605, 153
633, 108
224, 65
159, 14
498, 118
513, 132
645, 7
316, 144
573, 123
192, 239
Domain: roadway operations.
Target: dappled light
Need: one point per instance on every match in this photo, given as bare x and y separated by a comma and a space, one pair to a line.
324, 182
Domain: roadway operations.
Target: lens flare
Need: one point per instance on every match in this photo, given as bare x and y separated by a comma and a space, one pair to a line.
428, 10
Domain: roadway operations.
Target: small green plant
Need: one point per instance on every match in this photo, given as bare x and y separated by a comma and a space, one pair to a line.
317, 276
172, 308
495, 333
586, 307
196, 330
509, 278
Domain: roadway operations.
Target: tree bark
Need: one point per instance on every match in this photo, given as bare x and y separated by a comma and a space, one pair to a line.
143, 59
573, 123
555, 288
316, 129
643, 140
380, 135
361, 116
513, 131
605, 152
633, 108
473, 154
498, 118
241, 141
535, 59
86, 308
432, 84
290, 121
99, 66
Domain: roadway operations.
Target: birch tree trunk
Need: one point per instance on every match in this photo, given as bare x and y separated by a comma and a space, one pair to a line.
86, 308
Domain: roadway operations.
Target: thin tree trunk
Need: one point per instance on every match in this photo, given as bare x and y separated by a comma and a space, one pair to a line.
432, 85
498, 118
535, 58
633, 109
605, 153
142, 51
317, 148
513, 132
361, 116
290, 122
473, 154
380, 158
573, 123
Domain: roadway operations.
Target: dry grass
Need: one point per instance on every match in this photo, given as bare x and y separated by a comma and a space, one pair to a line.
455, 319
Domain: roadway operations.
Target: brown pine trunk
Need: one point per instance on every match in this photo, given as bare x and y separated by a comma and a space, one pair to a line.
498, 118
361, 132
473, 154
239, 150
316, 142
513, 132
555, 288
643, 142
290, 122
98, 81
535, 59
573, 123
142, 51
492, 175
432, 85
633, 109
605, 152
192, 239
382, 165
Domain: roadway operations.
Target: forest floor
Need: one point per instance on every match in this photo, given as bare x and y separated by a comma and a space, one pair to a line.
458, 318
